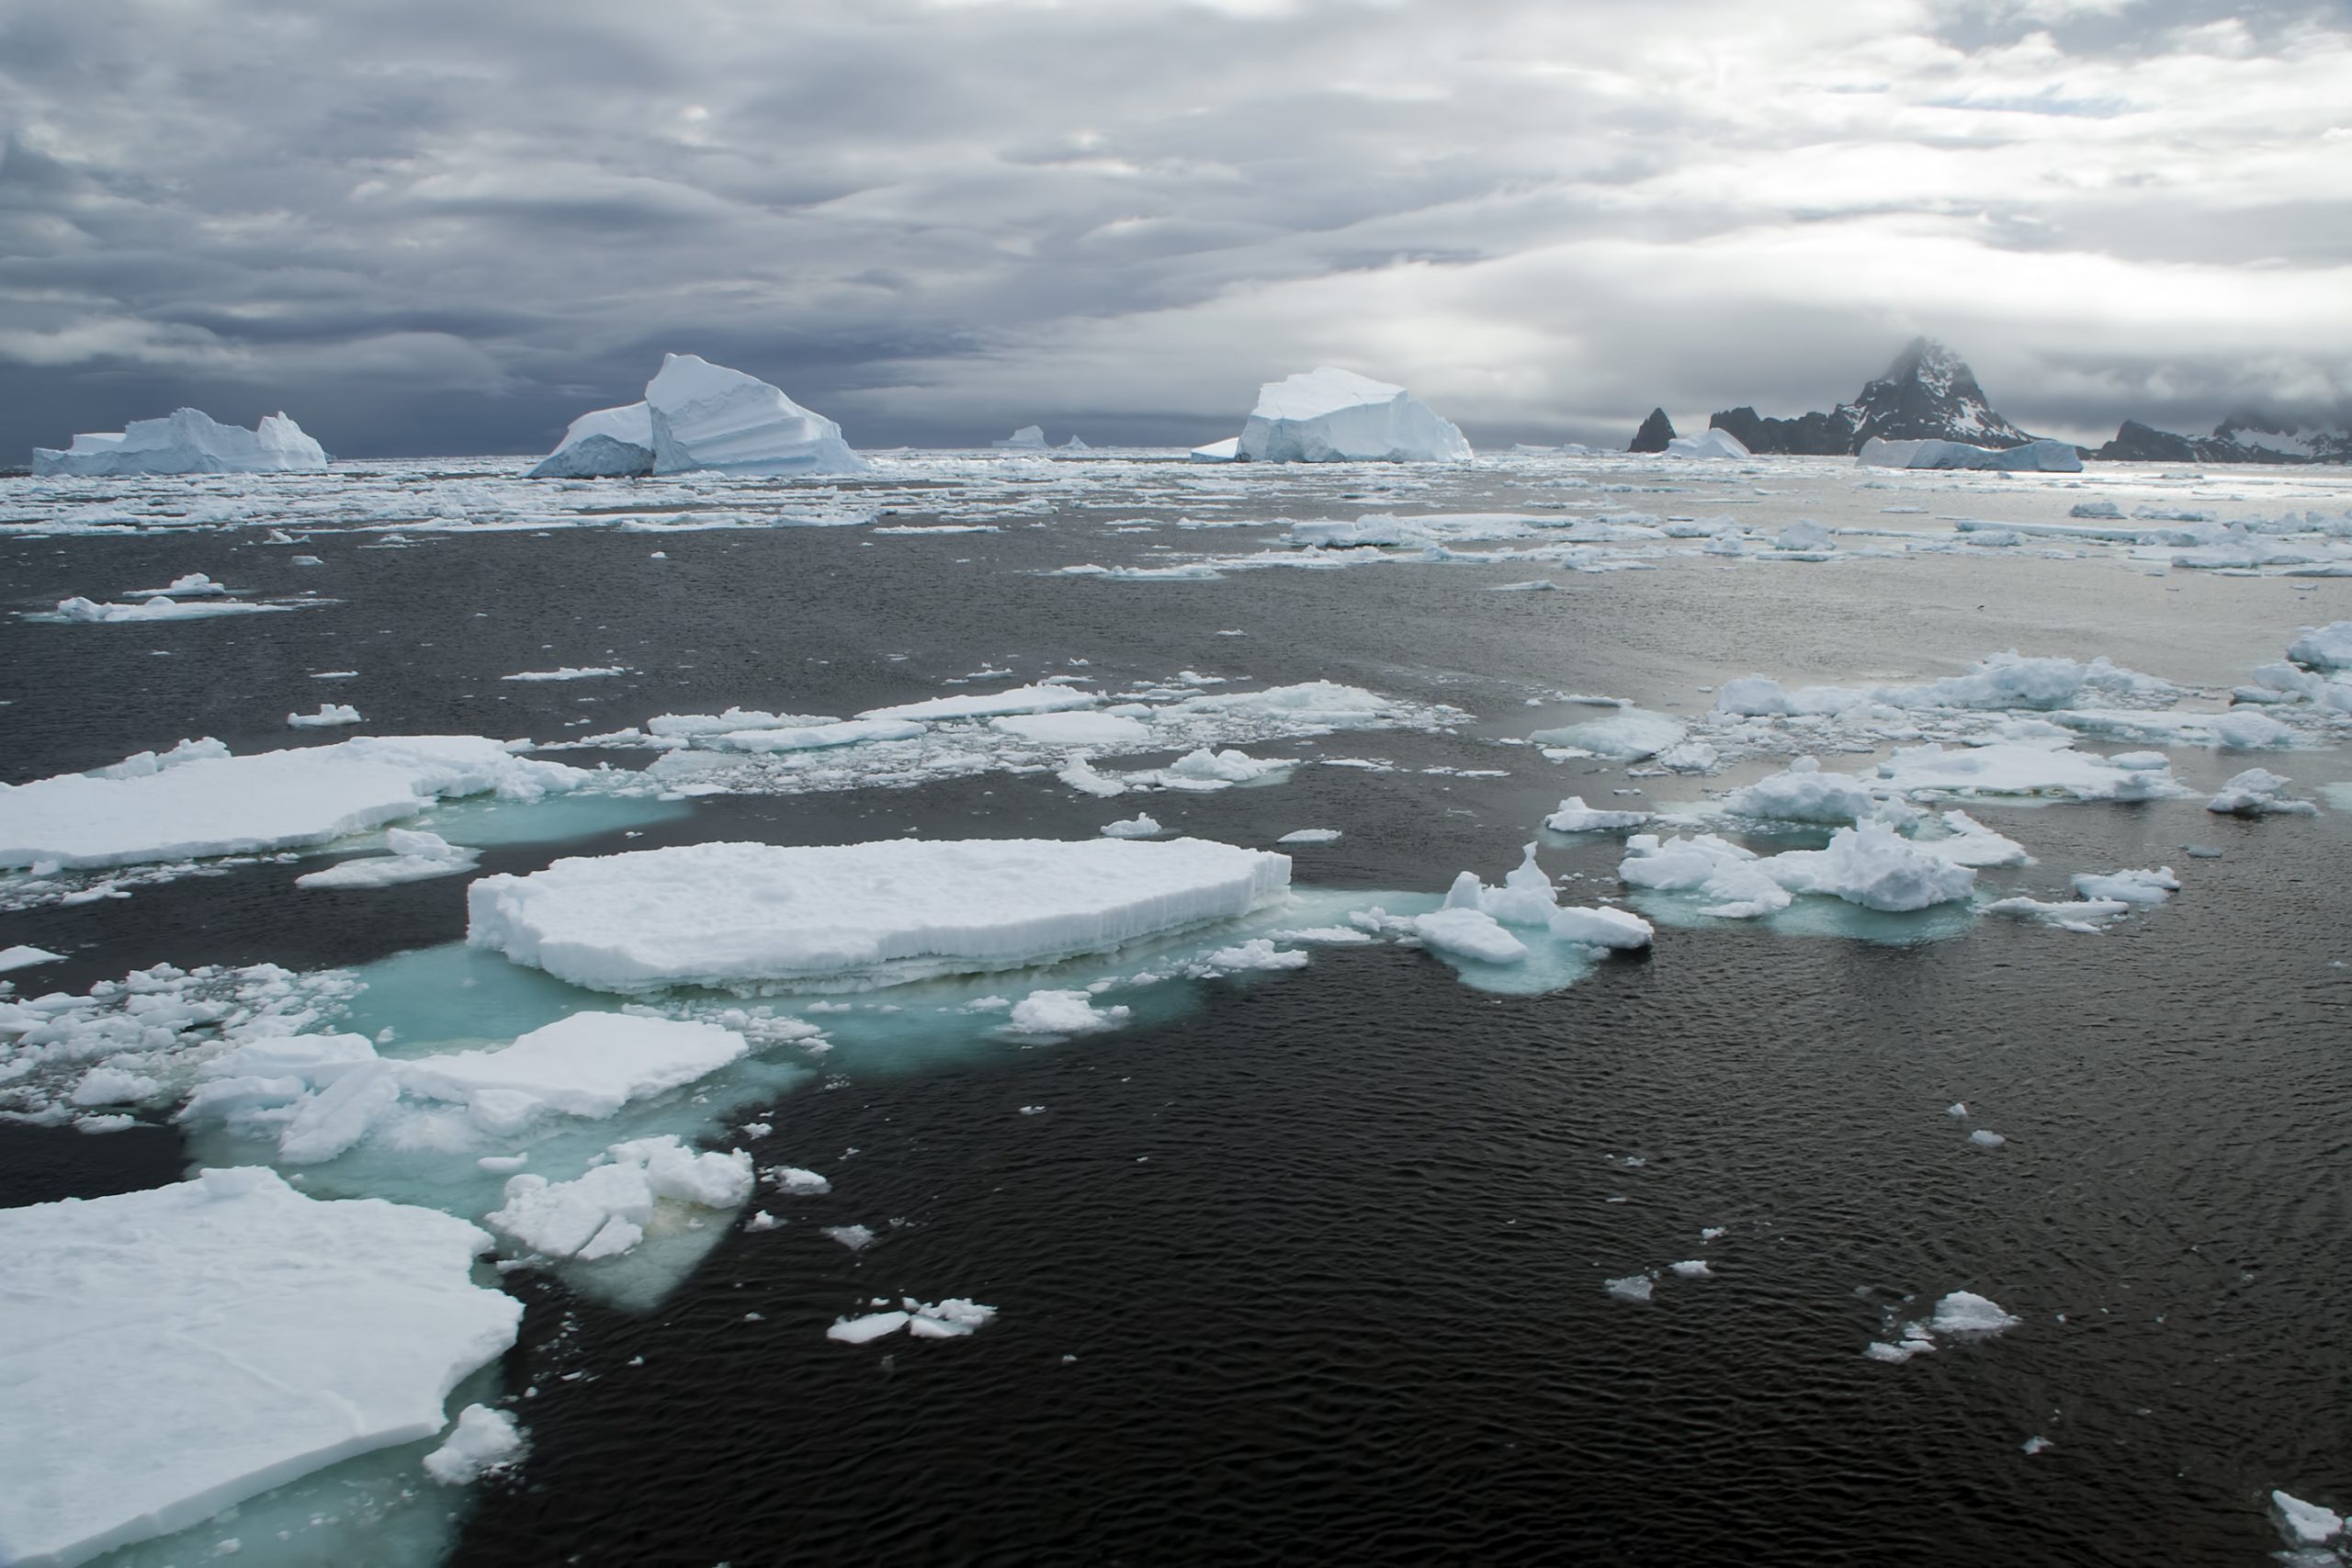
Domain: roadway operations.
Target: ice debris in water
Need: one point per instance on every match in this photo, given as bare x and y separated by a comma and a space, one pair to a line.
1062, 1012
24, 956
1575, 817
2257, 792
482, 1441
329, 715
857, 1238
416, 856
1629, 734
2307, 1523
1472, 922
2141, 888
858, 915
1867, 864
1630, 1288
1692, 1269
1310, 836
1140, 826
326, 1330
1963, 1313
2324, 648
2001, 681
606, 1210
951, 1319
198, 799
1985, 1138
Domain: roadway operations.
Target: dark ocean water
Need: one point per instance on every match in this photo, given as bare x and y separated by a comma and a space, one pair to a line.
1314, 1274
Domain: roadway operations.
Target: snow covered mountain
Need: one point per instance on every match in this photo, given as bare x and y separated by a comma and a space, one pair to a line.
2241, 438
1929, 393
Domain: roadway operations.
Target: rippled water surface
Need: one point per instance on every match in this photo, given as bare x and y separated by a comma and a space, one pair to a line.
1311, 1266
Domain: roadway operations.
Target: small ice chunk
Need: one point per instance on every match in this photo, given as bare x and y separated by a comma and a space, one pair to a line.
484, 1441
2146, 888
873, 1325
24, 956
1469, 933
590, 1063
1985, 1138
762, 1220
800, 1183
329, 715
1627, 735
1142, 825
1957, 1108
1965, 1312
2257, 792
1692, 1269
2307, 1522
1631, 1288
1601, 926
2036, 1445
857, 1238
603, 1211
1062, 1012
1310, 836
1575, 817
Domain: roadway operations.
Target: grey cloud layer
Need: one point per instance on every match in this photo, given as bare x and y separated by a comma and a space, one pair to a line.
428, 226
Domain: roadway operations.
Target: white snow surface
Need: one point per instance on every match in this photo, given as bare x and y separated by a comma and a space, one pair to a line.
591, 1064
852, 916
187, 440
199, 800
171, 1353
1327, 415
1575, 817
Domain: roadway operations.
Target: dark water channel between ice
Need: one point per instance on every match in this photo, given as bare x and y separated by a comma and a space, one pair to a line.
1315, 1275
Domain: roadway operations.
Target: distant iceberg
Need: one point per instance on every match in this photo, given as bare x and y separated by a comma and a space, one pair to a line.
1028, 438
189, 441
1224, 451
1327, 415
700, 417
1713, 442
2034, 456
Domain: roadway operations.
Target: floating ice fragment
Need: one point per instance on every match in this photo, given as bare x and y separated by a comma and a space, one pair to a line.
1469, 933
1062, 1012
1965, 1312
2307, 1522
1692, 1269
416, 856
590, 1063
329, 715
2036, 1445
873, 1325
484, 1441
24, 956
1575, 817
2145, 888
1140, 826
1984, 1138
1631, 1288
1310, 836
604, 1210
284, 1289
2257, 792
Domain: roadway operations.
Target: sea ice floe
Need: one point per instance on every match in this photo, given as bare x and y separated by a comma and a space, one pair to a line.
1310, 836
24, 955
1140, 826
2257, 792
1634, 1288
1962, 1313
1575, 817
2306, 1523
329, 716
1868, 865
951, 1319
199, 800
1062, 1012
570, 672
1627, 735
146, 612
849, 916
2324, 648
588, 1065
608, 1208
258, 1335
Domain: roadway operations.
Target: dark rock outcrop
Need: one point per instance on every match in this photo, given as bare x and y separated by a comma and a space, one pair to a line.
1655, 433
2241, 438
1928, 393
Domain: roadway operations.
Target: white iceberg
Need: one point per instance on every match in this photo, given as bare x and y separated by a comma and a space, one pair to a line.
698, 416
188, 441
852, 916
199, 800
171, 1352
1710, 443
1327, 415
1226, 451
1028, 438
2033, 457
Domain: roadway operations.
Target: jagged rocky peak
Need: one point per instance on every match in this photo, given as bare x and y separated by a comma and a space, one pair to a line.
1928, 394
1655, 433
2241, 438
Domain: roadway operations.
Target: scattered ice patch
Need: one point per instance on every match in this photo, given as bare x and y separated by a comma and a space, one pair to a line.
570, 672
2257, 792
484, 1441
415, 856
329, 715
1062, 1012
1140, 826
606, 1211
1310, 836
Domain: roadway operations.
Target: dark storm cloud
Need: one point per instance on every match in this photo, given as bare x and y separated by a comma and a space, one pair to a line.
440, 226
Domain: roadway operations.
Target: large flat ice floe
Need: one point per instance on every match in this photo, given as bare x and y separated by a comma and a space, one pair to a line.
1327, 415
187, 440
198, 799
171, 1352
698, 416
2033, 457
854, 916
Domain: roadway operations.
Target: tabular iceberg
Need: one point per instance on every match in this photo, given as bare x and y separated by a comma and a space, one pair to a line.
188, 441
1327, 415
1028, 438
698, 416
853, 916
2033, 457
170, 1352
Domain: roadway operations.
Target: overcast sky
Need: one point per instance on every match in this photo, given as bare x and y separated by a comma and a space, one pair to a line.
448, 225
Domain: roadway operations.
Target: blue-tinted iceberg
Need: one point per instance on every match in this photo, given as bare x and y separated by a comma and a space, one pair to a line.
2034, 456
697, 417
188, 441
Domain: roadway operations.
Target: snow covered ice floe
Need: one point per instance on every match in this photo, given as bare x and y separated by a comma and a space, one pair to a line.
329, 716
698, 416
1327, 415
158, 608
1628, 735
187, 440
326, 1329
1575, 817
198, 800
849, 916
1868, 864
589, 1064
